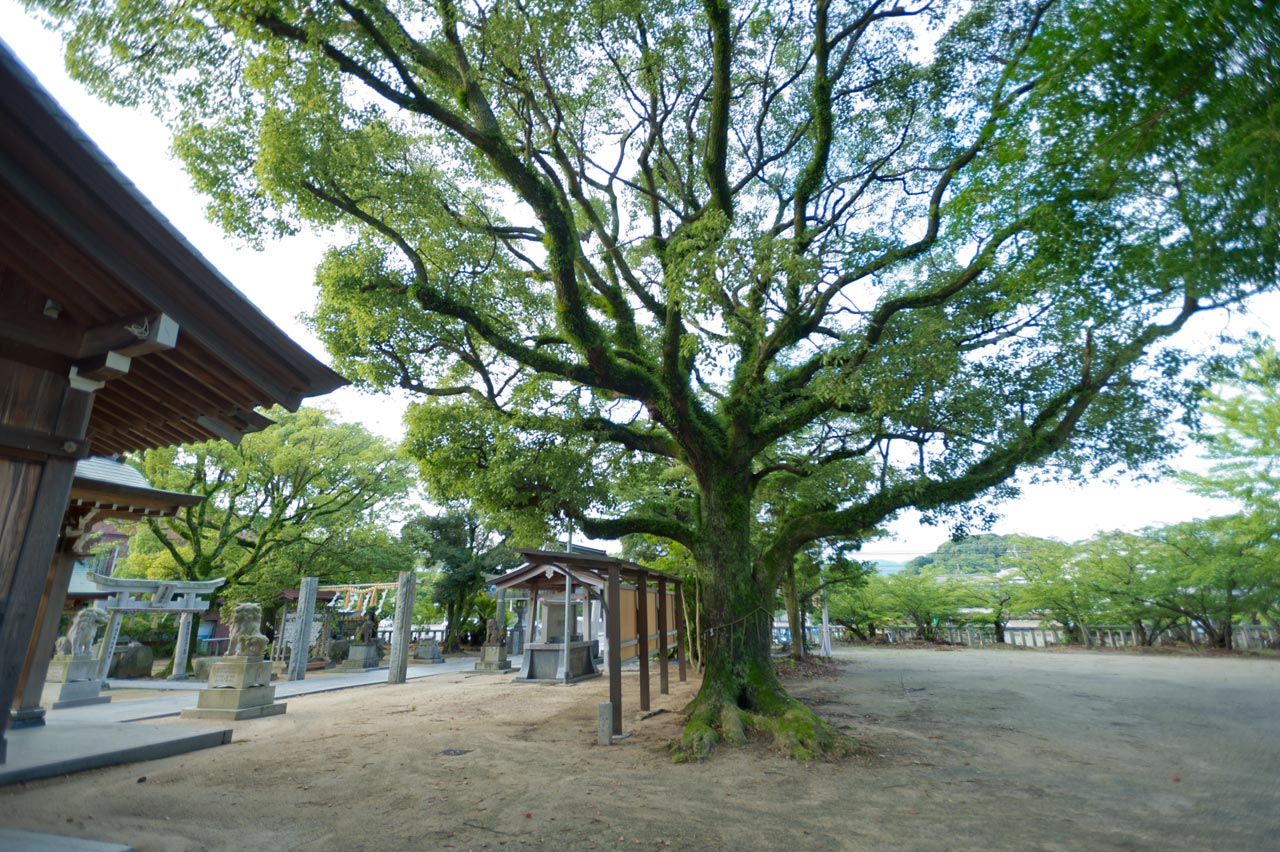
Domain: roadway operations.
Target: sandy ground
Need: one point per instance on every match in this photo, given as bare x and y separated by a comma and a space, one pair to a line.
983, 750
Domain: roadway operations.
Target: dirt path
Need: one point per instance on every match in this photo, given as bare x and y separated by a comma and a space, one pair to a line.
982, 750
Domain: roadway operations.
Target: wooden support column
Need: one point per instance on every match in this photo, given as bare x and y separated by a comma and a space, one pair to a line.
399, 670
532, 618
613, 629
26, 708
568, 627
642, 629
663, 669
680, 637
34, 489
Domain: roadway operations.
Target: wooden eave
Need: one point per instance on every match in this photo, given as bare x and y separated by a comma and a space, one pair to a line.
577, 564
83, 255
93, 500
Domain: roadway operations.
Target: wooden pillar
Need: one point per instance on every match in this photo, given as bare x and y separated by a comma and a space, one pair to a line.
681, 645
642, 631
532, 618
663, 674
43, 420
26, 707
612, 629
400, 634
568, 626
301, 653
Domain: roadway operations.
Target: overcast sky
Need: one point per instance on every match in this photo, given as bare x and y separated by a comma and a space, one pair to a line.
279, 281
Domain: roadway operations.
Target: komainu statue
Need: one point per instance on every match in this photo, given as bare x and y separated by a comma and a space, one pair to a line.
84, 627
246, 640
367, 632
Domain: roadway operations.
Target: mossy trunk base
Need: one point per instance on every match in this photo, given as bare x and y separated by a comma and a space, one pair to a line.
734, 710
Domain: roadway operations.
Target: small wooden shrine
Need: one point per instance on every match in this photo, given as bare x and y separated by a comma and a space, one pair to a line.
643, 609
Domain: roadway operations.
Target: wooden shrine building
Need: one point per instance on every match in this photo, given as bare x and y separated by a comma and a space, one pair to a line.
644, 613
115, 336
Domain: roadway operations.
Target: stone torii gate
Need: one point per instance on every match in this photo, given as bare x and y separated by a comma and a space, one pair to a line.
166, 597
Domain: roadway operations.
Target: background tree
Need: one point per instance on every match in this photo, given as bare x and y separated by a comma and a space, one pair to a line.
303, 496
927, 599
460, 551
862, 609
1055, 587
816, 571
1213, 572
641, 261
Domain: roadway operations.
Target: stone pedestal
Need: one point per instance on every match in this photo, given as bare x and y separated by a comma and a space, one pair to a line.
239, 688
428, 652
66, 668
360, 656
493, 659
79, 678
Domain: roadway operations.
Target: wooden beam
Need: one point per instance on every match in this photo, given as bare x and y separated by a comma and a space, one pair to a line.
613, 631
681, 645
131, 337
103, 367
663, 673
642, 628
32, 441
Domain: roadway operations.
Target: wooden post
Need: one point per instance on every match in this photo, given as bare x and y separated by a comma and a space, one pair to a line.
612, 629
40, 651
531, 618
568, 625
680, 637
663, 667
642, 628
400, 635
33, 500
302, 641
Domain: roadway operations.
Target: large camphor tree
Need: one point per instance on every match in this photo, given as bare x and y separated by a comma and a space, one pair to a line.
744, 277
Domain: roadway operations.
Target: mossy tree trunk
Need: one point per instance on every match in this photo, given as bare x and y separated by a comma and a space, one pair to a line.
741, 692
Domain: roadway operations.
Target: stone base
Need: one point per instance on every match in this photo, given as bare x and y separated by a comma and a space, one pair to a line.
80, 693
65, 668
27, 717
359, 658
493, 659
235, 715
239, 688
545, 662
239, 673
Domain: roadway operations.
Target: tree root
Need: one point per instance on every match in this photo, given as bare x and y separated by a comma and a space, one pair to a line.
792, 728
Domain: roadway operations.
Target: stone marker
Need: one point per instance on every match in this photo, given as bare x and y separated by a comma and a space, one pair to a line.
493, 653
604, 723
240, 684
405, 591
428, 651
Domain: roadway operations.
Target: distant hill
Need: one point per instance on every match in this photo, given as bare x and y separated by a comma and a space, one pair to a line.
976, 554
